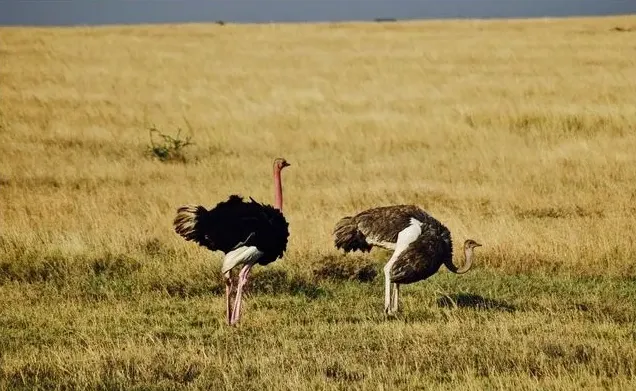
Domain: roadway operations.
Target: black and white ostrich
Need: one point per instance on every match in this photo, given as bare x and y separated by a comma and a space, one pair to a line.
421, 245
247, 232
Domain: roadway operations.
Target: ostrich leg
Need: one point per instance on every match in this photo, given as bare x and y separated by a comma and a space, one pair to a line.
242, 279
407, 236
387, 287
228, 293
394, 299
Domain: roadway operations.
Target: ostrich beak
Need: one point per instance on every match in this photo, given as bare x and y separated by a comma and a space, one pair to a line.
285, 164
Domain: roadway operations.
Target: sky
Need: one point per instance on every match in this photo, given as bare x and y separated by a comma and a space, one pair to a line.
91, 12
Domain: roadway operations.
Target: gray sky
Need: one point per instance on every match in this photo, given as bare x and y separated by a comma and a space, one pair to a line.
72, 12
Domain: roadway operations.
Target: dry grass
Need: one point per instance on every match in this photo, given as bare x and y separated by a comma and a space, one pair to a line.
519, 134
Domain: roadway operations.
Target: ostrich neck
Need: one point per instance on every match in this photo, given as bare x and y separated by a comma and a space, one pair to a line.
468, 261
278, 190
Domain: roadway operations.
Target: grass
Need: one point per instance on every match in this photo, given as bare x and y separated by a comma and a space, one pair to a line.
518, 134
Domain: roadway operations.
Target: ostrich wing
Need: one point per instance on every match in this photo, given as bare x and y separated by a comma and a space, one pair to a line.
235, 223
382, 225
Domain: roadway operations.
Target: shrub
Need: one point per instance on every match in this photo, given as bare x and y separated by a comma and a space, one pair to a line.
333, 267
168, 148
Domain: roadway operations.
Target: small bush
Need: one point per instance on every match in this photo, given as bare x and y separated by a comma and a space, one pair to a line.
276, 281
333, 267
168, 148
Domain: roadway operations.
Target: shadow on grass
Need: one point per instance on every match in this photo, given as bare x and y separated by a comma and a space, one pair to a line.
469, 300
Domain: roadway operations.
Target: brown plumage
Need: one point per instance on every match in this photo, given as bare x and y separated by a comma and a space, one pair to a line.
420, 242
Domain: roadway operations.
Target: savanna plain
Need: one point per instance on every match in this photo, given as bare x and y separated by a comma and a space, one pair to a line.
518, 134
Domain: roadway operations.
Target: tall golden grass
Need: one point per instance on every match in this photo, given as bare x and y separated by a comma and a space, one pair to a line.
519, 134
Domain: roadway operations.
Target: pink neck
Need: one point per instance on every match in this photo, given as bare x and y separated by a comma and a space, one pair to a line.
278, 189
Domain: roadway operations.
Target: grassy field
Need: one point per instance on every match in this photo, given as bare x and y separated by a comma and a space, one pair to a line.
519, 134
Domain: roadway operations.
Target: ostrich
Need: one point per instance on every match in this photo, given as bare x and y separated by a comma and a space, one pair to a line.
420, 242
247, 232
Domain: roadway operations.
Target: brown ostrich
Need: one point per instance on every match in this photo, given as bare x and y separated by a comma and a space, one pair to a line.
420, 244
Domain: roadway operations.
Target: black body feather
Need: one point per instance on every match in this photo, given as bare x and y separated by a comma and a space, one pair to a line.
235, 223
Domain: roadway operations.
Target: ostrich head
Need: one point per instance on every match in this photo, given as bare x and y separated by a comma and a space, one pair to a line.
280, 163
470, 244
